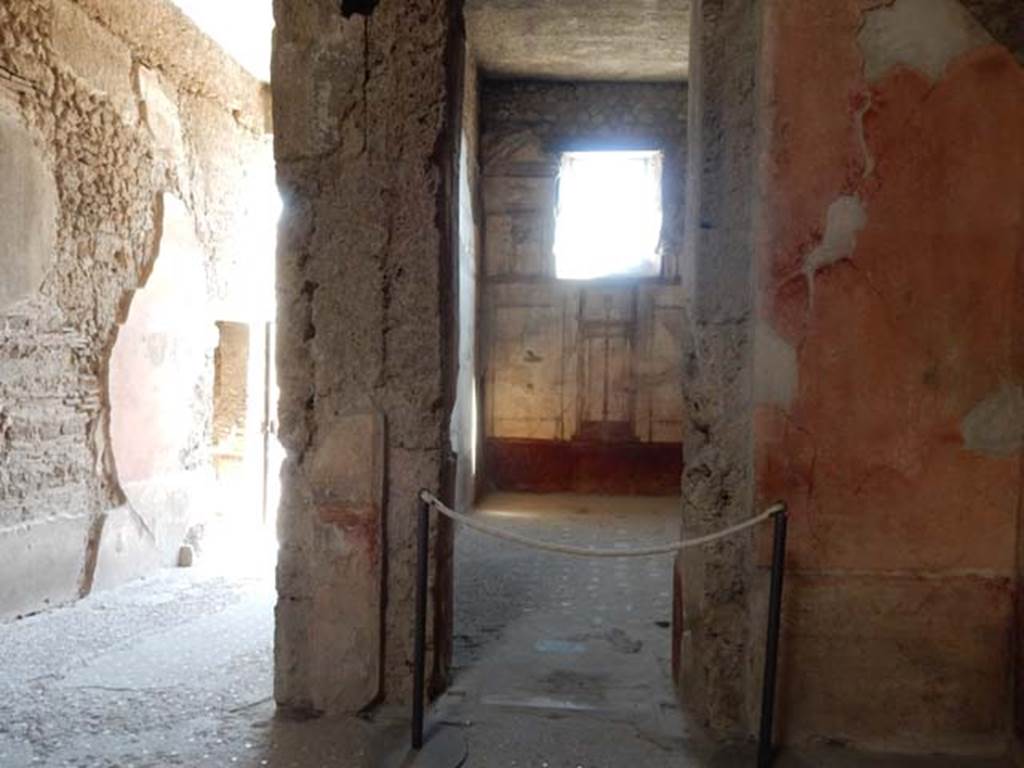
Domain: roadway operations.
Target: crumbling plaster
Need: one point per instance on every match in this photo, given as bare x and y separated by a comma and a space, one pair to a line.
884, 367
71, 73
897, 452
924, 34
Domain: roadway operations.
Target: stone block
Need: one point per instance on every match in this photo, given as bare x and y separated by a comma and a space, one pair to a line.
95, 55
41, 564
347, 468
338, 653
28, 213
160, 113
319, 83
127, 550
898, 663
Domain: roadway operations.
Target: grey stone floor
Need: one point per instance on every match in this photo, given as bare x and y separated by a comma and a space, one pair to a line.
560, 662
173, 670
564, 662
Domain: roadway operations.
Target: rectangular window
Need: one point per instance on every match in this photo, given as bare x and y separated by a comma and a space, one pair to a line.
608, 215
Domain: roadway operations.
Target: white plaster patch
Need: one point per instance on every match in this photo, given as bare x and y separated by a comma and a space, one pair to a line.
995, 426
776, 374
160, 113
924, 34
28, 213
845, 219
869, 159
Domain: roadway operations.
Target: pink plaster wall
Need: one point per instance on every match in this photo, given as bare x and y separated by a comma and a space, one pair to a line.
161, 357
903, 549
161, 388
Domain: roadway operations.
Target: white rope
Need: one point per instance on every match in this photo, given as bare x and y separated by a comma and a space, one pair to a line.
566, 549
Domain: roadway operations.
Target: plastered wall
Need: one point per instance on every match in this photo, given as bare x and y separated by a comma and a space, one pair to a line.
889, 400
566, 361
107, 108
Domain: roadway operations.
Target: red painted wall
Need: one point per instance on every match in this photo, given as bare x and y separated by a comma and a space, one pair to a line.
903, 550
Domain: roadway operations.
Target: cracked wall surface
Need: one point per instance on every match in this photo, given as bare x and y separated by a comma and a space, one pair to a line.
890, 262
364, 110
73, 78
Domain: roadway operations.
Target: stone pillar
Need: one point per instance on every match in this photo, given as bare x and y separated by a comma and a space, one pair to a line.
711, 640
363, 140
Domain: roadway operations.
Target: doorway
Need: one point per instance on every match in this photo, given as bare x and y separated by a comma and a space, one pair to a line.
246, 452
578, 428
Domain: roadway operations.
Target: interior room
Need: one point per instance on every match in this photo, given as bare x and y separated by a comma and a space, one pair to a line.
572, 222
510, 382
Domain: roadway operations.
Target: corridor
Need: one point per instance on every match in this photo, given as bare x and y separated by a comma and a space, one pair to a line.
562, 660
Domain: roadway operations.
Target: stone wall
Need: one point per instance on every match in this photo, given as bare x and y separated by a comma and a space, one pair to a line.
712, 633
567, 361
104, 108
365, 109
890, 407
231, 395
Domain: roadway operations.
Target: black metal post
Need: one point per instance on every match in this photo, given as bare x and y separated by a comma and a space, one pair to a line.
420, 650
765, 749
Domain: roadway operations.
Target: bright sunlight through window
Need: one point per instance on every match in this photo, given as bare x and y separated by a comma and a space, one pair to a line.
608, 218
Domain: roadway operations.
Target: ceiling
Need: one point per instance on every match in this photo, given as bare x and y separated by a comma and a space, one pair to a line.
556, 39
581, 39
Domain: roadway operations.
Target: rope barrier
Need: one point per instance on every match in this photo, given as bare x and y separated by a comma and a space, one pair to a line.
567, 549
